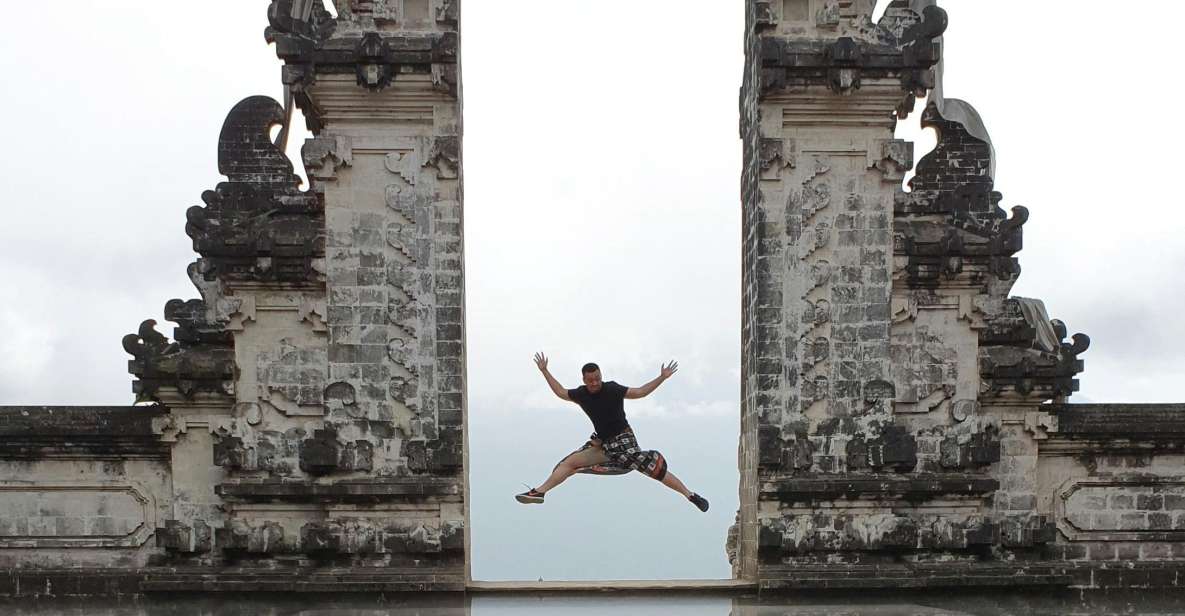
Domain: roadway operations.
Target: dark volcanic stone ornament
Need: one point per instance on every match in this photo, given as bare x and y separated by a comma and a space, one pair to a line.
258, 226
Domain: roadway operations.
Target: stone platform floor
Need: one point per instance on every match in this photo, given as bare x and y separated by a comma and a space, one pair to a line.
999, 603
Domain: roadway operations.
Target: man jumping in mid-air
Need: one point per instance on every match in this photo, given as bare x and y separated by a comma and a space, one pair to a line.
613, 440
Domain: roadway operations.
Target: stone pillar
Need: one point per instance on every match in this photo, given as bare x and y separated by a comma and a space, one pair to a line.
822, 173
341, 305
885, 369
387, 158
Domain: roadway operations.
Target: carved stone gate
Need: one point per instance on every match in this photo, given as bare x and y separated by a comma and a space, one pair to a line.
904, 419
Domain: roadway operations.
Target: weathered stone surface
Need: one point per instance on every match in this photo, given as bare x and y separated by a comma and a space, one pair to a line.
880, 347
823, 359
375, 43
811, 488
1155, 422
100, 433
199, 361
350, 389
310, 431
323, 365
1023, 354
901, 47
258, 225
371, 490
178, 537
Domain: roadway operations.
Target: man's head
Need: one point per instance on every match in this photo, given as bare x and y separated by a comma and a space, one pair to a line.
591, 373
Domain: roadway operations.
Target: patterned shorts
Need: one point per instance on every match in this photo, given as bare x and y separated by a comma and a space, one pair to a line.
624, 456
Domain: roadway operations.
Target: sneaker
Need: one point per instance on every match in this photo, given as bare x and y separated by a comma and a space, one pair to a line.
530, 497
696, 500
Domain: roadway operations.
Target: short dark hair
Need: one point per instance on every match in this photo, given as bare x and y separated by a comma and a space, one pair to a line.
589, 367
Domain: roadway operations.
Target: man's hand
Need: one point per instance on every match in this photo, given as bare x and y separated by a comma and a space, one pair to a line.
664, 373
556, 388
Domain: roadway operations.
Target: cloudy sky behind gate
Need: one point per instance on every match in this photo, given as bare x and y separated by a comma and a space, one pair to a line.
602, 223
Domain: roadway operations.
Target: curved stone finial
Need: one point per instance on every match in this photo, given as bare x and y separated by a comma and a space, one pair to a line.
147, 342
1081, 344
302, 26
258, 225
246, 152
932, 26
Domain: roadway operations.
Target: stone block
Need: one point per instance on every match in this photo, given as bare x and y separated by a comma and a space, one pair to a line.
1133, 521
1156, 551
1122, 501
1160, 521
1127, 551
769, 446
1150, 502
416, 454
320, 454
1024, 502
229, 452
319, 538
1101, 552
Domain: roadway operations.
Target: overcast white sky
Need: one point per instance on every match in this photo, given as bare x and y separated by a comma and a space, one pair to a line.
602, 223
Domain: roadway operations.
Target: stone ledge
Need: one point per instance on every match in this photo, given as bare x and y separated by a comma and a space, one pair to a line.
353, 581
916, 487
371, 491
131, 582
69, 582
1152, 421
937, 575
614, 586
953, 575
90, 421
91, 432
402, 48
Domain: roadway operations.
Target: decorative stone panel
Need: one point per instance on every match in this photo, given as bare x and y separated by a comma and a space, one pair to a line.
81, 515
1132, 508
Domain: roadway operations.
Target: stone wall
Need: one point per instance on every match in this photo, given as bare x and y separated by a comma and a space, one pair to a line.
824, 84
310, 409
896, 429
905, 421
81, 486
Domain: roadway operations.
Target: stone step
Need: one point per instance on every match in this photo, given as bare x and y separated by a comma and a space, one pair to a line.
626, 586
303, 581
952, 575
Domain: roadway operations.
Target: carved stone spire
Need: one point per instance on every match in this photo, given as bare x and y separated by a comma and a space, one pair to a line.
258, 225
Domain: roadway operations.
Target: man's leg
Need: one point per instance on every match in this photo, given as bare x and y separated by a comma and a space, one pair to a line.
672, 482
569, 465
624, 450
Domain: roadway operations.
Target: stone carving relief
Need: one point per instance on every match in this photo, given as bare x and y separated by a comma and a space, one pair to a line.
1122, 508
323, 156
925, 370
99, 514
292, 379
776, 156
893, 158
258, 225
332, 325
1024, 354
903, 45
200, 361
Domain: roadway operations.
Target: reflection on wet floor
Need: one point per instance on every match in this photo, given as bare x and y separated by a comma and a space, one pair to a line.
855, 603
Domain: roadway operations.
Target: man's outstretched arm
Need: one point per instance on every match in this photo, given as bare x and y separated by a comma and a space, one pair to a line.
665, 373
556, 388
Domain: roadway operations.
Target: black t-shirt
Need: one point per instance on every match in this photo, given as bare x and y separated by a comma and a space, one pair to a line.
606, 408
